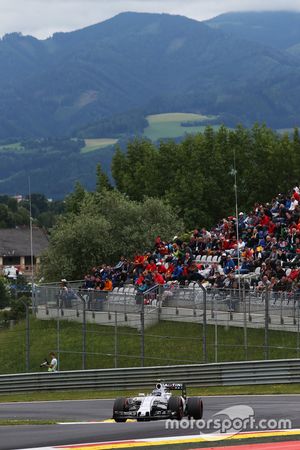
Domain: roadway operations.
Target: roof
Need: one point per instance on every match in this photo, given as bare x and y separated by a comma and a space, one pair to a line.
16, 241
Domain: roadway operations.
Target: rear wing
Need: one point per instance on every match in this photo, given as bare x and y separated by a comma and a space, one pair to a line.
176, 387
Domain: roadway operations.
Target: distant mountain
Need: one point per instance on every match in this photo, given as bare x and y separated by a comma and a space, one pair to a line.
150, 63
280, 29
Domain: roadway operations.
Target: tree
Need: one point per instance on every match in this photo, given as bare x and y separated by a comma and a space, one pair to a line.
4, 293
102, 181
118, 168
107, 226
75, 199
134, 172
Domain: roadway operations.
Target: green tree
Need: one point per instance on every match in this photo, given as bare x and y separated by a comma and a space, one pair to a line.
5, 296
102, 181
195, 175
118, 168
5, 219
107, 226
73, 201
134, 172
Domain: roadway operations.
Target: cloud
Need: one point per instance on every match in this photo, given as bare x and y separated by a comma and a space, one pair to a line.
42, 18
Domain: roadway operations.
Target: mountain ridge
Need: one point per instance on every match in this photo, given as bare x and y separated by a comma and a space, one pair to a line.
148, 62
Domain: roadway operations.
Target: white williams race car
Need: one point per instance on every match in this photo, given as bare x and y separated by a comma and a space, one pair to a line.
160, 404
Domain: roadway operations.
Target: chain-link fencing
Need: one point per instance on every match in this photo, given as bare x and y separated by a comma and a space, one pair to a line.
166, 325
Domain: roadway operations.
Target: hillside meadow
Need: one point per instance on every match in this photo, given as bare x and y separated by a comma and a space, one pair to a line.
169, 125
96, 144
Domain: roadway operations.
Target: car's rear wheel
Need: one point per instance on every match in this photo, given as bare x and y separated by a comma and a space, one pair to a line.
120, 404
195, 408
176, 407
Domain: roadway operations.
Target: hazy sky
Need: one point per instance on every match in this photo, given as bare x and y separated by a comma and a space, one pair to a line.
42, 18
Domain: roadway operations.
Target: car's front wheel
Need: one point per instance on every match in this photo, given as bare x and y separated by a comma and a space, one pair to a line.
120, 404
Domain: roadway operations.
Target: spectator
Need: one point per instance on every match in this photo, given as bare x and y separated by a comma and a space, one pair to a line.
229, 265
269, 238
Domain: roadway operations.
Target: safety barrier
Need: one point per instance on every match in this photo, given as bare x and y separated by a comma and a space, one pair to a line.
222, 374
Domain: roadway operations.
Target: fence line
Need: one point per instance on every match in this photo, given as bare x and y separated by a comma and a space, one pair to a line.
227, 308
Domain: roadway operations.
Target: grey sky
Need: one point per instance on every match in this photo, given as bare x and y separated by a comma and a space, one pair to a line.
42, 18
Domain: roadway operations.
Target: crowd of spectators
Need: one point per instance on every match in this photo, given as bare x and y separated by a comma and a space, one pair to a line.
264, 242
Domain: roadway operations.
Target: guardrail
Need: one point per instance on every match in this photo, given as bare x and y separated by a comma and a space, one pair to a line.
222, 374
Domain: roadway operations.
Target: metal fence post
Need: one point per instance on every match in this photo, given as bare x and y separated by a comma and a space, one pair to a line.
142, 330
204, 347
245, 322
160, 300
267, 324
27, 358
298, 327
83, 331
58, 335
116, 339
84, 336
216, 329
27, 338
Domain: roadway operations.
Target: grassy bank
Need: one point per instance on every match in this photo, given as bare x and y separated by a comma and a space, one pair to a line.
287, 389
165, 343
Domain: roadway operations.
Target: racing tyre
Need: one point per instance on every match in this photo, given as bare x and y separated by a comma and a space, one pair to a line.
195, 408
175, 406
119, 405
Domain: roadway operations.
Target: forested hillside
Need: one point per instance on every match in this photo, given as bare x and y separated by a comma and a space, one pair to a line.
54, 166
278, 29
148, 63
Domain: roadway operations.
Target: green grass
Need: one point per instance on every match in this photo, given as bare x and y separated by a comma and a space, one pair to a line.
169, 125
10, 422
165, 343
96, 144
287, 389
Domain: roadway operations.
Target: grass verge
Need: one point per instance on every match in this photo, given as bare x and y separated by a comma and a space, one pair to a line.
203, 391
11, 422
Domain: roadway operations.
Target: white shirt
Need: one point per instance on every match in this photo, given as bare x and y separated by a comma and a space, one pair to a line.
53, 365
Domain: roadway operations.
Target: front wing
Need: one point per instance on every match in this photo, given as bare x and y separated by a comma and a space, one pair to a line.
158, 415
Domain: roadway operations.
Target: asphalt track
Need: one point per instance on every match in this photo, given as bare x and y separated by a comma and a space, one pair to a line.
87, 411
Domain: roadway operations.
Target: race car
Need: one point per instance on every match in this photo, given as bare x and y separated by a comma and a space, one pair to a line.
159, 404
